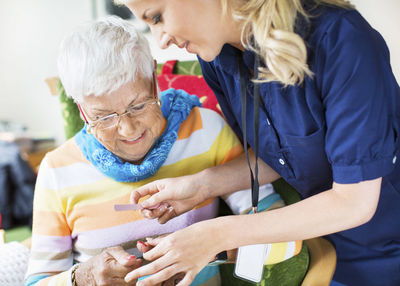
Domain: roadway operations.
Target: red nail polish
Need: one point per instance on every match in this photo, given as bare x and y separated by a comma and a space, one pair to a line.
131, 257
142, 243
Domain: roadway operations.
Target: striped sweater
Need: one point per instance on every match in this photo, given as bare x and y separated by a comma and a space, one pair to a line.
74, 218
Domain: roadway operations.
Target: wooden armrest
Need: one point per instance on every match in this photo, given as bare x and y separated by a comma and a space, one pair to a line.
2, 236
322, 262
27, 242
52, 84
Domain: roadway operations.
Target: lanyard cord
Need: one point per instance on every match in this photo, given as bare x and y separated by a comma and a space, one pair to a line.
256, 93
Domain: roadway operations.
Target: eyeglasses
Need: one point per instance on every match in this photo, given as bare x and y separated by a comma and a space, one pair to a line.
112, 120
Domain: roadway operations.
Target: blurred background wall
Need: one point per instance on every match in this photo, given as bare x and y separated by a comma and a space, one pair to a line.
31, 31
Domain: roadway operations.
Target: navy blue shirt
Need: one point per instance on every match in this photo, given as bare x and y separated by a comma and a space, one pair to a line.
342, 125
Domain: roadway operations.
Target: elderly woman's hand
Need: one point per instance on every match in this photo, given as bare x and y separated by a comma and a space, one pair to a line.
186, 251
107, 268
169, 197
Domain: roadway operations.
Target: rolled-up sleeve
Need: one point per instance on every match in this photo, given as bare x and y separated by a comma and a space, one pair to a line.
361, 100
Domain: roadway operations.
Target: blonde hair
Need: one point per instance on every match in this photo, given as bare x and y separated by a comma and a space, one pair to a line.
268, 29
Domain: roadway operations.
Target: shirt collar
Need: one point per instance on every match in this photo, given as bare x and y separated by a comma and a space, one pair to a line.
227, 59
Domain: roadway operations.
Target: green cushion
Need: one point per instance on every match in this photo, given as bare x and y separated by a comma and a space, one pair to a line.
70, 113
19, 233
184, 67
286, 191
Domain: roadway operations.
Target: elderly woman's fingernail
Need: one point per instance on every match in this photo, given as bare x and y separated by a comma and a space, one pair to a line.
146, 213
130, 257
142, 243
163, 207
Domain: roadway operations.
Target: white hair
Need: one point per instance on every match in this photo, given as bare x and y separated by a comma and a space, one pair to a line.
100, 57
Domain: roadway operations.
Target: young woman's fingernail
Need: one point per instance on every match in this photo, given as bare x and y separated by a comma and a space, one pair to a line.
146, 203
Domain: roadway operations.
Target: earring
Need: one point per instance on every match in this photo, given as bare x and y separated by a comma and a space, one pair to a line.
159, 102
88, 129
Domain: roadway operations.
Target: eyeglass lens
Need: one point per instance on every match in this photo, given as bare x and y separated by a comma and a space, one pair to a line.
135, 111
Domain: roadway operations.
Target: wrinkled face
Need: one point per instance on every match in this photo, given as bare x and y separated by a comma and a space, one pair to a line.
134, 133
196, 25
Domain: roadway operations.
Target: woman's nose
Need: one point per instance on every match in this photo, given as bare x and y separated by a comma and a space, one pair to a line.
126, 125
165, 40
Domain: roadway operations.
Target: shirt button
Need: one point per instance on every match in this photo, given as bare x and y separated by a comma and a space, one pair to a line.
394, 159
269, 123
282, 161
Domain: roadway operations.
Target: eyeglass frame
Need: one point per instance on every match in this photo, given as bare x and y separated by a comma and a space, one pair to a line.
93, 124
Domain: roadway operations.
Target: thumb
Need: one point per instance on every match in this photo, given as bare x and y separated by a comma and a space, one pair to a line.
143, 191
155, 201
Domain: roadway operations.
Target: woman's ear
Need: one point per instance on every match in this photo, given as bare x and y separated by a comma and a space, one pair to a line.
155, 65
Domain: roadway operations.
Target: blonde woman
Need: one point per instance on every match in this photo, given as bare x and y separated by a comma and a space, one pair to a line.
329, 123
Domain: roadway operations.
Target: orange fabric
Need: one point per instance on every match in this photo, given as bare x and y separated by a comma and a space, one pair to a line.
69, 147
299, 245
196, 124
232, 154
43, 221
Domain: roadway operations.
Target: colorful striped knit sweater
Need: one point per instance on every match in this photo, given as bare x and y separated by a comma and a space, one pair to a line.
74, 218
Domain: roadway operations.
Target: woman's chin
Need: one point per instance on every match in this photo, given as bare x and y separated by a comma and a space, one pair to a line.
136, 162
131, 160
208, 56
133, 156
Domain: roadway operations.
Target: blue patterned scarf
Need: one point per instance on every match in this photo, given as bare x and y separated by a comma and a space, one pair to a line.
175, 107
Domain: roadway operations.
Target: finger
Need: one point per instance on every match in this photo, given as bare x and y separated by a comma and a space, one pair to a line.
143, 247
158, 198
123, 257
154, 241
148, 189
168, 215
159, 277
187, 280
156, 212
149, 269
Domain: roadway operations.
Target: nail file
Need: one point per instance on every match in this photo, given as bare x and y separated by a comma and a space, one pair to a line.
131, 207
127, 207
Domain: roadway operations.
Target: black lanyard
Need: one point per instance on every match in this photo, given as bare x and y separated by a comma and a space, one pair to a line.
256, 93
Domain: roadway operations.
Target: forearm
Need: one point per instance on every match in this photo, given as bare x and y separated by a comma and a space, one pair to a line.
41, 279
322, 214
233, 176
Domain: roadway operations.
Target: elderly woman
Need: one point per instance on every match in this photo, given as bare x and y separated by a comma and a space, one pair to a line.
131, 137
